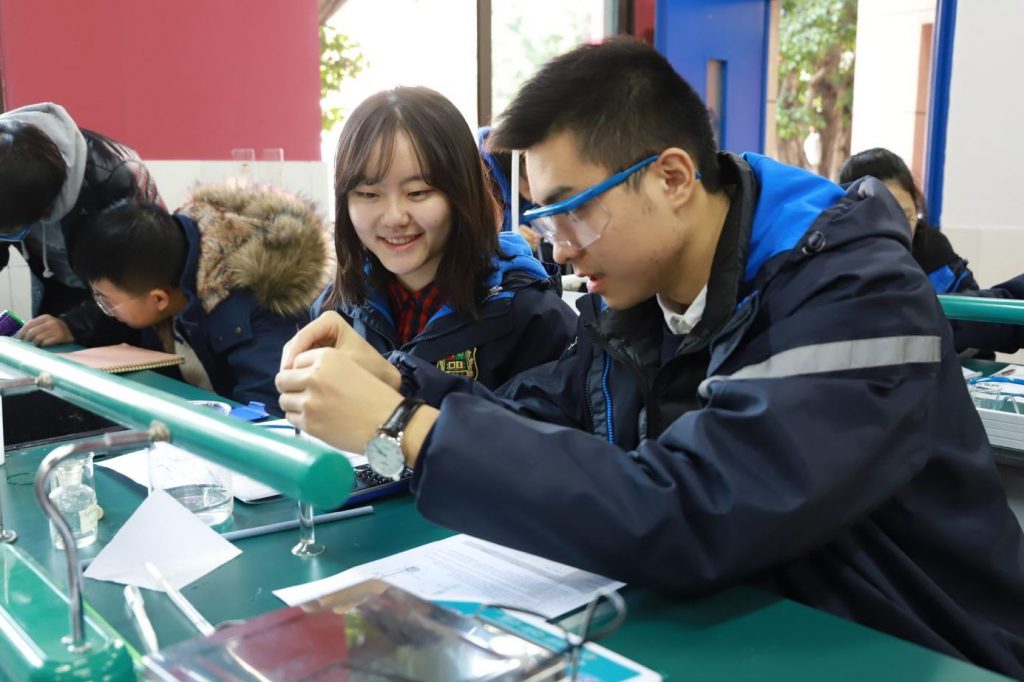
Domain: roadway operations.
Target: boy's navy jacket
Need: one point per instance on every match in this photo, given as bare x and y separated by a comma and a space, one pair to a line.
256, 260
522, 322
813, 434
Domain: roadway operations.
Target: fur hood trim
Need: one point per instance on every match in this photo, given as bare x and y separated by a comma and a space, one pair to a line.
263, 240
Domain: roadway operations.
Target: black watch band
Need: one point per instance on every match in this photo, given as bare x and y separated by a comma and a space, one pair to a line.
399, 419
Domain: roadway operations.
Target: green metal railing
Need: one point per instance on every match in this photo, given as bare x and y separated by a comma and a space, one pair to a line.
300, 469
982, 309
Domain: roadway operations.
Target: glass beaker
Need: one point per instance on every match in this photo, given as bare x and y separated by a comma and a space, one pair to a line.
245, 157
72, 489
202, 487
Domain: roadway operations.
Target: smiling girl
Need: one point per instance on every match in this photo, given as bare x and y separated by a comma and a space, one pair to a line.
421, 266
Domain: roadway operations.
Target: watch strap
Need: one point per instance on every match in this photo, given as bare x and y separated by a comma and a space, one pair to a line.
399, 419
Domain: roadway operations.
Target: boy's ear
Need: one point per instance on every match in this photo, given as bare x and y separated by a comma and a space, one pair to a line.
161, 297
677, 174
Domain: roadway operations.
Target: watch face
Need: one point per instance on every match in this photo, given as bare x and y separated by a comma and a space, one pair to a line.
384, 455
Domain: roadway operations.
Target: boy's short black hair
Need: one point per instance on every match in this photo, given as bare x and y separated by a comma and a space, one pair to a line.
621, 100
136, 247
32, 174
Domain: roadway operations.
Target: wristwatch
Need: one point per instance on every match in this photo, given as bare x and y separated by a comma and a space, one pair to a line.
384, 451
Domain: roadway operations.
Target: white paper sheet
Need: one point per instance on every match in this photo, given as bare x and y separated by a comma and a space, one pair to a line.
166, 534
135, 465
970, 373
468, 569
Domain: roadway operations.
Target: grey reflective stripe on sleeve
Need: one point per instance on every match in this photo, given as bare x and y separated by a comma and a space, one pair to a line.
837, 356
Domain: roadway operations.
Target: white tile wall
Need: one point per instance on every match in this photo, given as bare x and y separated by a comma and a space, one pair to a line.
309, 178
15, 286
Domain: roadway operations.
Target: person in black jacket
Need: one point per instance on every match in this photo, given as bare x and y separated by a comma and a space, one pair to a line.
421, 266
54, 178
763, 388
947, 271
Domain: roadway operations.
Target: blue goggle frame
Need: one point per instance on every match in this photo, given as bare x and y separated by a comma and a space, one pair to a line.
580, 198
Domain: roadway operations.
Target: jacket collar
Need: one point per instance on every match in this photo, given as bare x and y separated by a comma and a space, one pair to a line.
187, 283
514, 269
644, 321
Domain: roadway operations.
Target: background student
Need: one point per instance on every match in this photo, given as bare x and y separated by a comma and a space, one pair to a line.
421, 266
54, 179
947, 271
772, 382
499, 163
224, 282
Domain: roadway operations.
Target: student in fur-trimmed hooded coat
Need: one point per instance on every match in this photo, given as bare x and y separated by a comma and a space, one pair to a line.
224, 282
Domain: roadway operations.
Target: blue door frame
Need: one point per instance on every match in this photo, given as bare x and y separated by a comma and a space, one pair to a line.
692, 33
938, 108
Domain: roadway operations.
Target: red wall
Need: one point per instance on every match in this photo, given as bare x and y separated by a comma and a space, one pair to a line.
175, 79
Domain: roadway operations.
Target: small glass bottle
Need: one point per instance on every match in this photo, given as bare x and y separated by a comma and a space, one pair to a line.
73, 492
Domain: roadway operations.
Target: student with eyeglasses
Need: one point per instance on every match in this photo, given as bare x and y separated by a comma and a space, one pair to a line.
54, 178
763, 388
223, 282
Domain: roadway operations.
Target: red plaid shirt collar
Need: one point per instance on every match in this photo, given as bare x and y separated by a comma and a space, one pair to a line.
412, 310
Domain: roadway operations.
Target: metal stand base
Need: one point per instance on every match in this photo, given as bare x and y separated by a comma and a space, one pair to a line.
305, 549
8, 535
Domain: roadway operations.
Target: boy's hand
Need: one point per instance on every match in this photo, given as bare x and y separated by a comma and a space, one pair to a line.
47, 330
327, 394
331, 331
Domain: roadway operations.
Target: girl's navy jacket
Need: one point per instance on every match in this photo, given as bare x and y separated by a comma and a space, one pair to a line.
523, 322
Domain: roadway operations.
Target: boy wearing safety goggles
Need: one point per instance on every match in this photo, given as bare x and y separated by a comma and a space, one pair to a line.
763, 388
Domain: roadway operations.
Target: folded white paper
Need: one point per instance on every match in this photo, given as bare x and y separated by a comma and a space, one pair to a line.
164, 533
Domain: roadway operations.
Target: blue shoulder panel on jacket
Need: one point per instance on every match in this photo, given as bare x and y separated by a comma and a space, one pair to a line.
790, 200
522, 260
942, 279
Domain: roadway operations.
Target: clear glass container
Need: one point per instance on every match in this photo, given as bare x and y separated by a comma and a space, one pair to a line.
72, 489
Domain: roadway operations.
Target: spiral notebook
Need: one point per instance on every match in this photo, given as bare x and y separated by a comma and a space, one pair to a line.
122, 358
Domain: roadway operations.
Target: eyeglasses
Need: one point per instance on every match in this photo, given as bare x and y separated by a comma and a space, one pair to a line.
108, 308
580, 220
16, 236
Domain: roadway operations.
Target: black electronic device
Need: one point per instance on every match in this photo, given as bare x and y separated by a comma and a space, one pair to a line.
370, 486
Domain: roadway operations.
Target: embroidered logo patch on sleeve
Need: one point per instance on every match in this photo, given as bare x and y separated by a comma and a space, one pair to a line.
461, 364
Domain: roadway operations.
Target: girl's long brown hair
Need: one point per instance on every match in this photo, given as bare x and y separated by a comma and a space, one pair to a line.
450, 162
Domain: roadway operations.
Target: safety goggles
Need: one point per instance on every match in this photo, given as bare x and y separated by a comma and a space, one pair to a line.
580, 220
